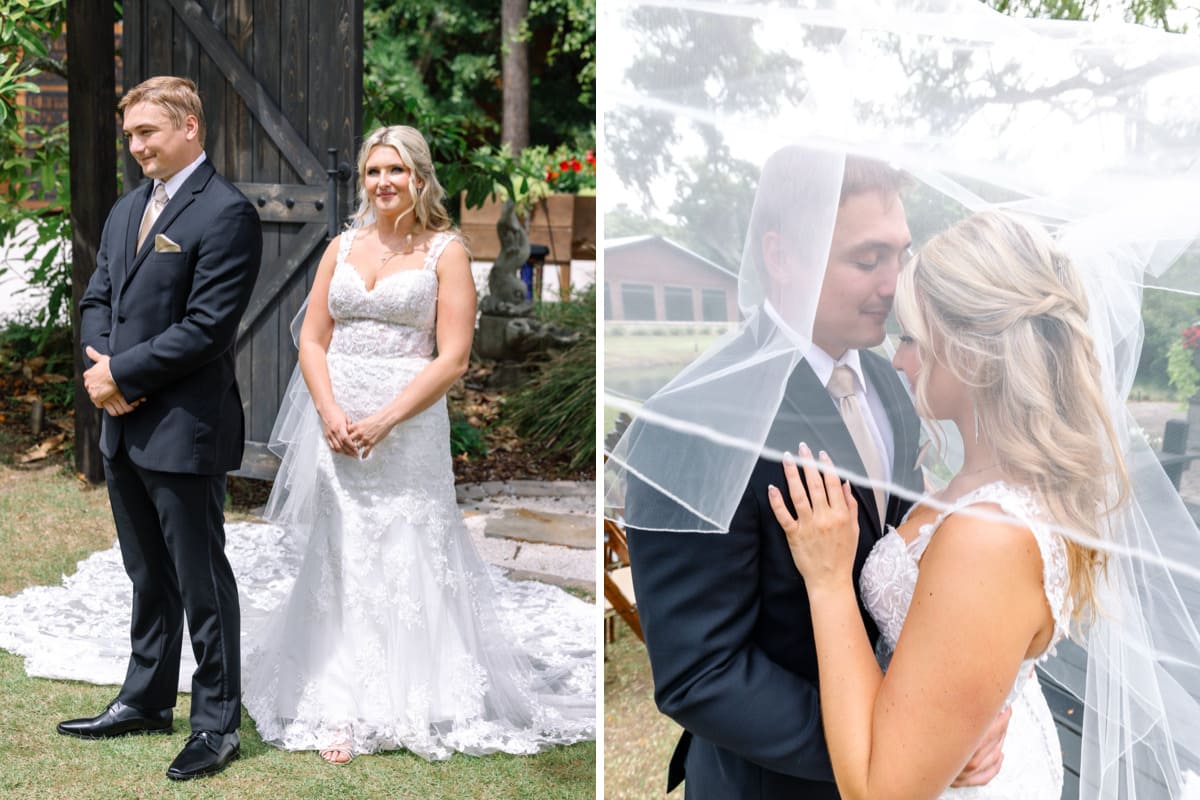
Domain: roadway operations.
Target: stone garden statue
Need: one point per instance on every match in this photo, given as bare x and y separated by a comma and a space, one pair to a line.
506, 290
507, 332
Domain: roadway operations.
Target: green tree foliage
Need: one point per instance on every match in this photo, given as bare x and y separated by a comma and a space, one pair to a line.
34, 184
1165, 314
1181, 371
1163, 14
721, 55
435, 65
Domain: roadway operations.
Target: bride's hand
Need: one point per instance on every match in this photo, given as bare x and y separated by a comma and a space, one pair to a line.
823, 536
336, 427
368, 432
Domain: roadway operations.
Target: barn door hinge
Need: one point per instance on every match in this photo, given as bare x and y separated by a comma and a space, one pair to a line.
338, 171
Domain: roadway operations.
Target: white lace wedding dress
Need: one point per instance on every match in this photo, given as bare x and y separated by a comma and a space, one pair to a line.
368, 619
1032, 767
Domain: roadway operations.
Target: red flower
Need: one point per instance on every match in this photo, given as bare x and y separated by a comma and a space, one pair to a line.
591, 157
575, 165
1191, 337
551, 175
564, 165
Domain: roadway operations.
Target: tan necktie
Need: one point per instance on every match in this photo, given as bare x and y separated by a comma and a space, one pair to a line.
841, 387
157, 203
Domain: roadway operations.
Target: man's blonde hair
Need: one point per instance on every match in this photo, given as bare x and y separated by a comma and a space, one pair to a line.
175, 96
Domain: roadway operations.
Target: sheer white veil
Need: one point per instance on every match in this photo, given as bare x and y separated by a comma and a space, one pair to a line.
1092, 130
296, 437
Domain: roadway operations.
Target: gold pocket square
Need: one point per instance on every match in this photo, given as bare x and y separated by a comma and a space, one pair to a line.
164, 245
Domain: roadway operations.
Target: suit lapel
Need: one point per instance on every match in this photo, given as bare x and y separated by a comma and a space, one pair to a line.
136, 210
186, 195
895, 402
906, 429
809, 413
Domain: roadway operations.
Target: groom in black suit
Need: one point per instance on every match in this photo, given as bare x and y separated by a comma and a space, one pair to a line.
726, 616
177, 263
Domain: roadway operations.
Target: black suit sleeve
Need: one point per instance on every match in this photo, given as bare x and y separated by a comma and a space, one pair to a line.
698, 599
226, 269
95, 307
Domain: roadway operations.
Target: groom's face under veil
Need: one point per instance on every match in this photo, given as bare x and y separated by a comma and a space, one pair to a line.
870, 242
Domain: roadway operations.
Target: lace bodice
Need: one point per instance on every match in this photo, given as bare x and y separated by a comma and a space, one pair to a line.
890, 574
396, 317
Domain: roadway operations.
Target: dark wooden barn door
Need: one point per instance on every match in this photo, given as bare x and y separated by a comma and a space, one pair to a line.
281, 82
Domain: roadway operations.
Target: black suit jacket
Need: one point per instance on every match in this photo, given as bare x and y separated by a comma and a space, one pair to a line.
169, 320
726, 616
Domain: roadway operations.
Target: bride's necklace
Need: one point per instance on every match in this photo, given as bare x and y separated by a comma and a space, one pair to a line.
389, 254
977, 470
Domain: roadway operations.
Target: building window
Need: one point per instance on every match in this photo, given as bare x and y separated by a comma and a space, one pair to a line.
637, 300
677, 300
607, 302
712, 305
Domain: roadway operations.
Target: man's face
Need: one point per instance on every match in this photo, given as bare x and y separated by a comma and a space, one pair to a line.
160, 147
870, 241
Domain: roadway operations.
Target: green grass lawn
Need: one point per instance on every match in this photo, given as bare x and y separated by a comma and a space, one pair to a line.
48, 522
645, 349
638, 740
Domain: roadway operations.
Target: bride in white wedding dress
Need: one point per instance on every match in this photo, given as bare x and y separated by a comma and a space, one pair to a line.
390, 638
977, 585
370, 623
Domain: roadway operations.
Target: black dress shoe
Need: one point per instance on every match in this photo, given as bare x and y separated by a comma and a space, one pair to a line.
118, 720
206, 753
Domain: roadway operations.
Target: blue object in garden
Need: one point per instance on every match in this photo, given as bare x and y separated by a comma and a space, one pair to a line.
537, 258
527, 278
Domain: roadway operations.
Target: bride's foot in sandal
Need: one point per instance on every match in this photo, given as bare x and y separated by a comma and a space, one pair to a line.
337, 755
339, 750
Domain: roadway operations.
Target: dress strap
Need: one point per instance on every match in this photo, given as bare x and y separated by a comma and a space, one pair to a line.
988, 493
1020, 504
344, 245
437, 245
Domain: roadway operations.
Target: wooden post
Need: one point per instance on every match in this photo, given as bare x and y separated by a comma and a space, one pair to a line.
1175, 441
91, 108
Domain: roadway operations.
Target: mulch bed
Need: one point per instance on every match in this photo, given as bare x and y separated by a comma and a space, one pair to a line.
26, 384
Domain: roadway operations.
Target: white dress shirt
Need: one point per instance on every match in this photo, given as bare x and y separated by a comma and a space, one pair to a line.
176, 181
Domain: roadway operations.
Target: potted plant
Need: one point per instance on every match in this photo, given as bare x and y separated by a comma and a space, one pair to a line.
1183, 371
555, 195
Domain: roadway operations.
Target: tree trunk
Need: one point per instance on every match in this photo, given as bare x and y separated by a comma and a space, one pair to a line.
91, 108
514, 129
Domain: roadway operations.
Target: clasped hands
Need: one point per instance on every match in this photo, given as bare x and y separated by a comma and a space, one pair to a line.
353, 438
102, 389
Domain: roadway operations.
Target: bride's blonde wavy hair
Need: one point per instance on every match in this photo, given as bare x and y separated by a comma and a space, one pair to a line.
993, 301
